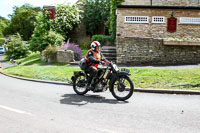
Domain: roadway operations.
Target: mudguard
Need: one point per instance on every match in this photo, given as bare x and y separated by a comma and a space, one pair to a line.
124, 73
121, 74
77, 73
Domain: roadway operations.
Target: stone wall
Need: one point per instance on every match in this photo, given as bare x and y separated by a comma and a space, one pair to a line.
154, 30
162, 2
148, 51
61, 56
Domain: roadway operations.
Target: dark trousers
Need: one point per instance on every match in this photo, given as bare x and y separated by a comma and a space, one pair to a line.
93, 73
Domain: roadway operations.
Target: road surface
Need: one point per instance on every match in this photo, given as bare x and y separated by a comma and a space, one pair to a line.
30, 107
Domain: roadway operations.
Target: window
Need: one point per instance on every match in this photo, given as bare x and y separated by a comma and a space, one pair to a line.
158, 19
189, 20
136, 19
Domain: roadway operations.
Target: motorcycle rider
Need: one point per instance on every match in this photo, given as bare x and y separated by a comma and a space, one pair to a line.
93, 58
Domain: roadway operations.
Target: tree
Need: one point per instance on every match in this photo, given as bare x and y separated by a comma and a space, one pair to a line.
3, 24
43, 35
66, 18
22, 21
95, 15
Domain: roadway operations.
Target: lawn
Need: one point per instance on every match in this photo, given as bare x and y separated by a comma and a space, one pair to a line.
33, 67
142, 77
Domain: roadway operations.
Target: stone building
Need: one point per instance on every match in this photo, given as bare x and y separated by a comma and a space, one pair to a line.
143, 24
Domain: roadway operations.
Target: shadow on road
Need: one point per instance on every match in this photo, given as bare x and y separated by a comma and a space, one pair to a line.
74, 99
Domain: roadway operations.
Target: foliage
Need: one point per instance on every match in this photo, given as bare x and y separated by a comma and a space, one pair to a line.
66, 18
184, 38
102, 39
74, 47
22, 21
3, 24
16, 48
112, 29
43, 36
95, 15
50, 52
85, 45
2, 40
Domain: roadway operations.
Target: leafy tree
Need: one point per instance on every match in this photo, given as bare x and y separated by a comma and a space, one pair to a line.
43, 36
66, 18
3, 24
16, 48
95, 14
22, 21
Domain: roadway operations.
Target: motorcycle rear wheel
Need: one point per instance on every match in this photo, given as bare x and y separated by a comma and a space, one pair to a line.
79, 85
124, 90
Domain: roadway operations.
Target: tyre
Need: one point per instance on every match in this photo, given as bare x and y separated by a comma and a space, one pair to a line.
122, 90
79, 85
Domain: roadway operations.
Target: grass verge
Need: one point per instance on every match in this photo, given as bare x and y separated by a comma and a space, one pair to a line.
142, 77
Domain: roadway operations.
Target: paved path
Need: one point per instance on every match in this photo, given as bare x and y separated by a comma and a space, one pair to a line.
4, 63
30, 107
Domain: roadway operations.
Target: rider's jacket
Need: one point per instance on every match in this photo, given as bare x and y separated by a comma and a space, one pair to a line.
93, 58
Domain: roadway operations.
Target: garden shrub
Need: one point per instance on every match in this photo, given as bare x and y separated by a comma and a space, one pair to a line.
50, 52
102, 39
74, 47
85, 45
43, 35
2, 40
16, 48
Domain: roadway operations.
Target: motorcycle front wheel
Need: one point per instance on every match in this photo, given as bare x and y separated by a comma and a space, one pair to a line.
123, 89
79, 85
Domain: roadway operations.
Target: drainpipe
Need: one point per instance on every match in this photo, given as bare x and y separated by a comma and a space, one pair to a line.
152, 0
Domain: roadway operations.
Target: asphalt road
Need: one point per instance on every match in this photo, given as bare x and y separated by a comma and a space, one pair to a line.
30, 107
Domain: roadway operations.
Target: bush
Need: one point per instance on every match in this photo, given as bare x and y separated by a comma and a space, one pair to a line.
2, 40
39, 43
102, 39
74, 47
43, 36
85, 45
16, 48
50, 52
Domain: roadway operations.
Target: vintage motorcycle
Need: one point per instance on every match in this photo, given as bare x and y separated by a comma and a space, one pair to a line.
109, 77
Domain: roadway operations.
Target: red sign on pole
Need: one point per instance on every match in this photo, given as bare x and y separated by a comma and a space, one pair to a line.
171, 24
51, 10
52, 13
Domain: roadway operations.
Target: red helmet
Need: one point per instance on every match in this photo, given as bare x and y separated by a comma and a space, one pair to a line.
95, 44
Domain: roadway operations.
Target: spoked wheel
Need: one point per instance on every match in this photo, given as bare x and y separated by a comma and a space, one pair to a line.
79, 85
122, 90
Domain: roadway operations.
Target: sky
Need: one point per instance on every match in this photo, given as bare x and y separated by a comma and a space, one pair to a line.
6, 6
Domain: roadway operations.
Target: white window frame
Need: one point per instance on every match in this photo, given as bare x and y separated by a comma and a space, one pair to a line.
189, 20
158, 17
136, 19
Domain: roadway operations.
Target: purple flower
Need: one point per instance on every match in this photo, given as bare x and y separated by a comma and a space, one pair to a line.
74, 47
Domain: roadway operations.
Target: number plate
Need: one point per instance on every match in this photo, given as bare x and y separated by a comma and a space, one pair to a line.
115, 67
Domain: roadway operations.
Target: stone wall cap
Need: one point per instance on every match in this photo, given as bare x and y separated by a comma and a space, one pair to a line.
158, 7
